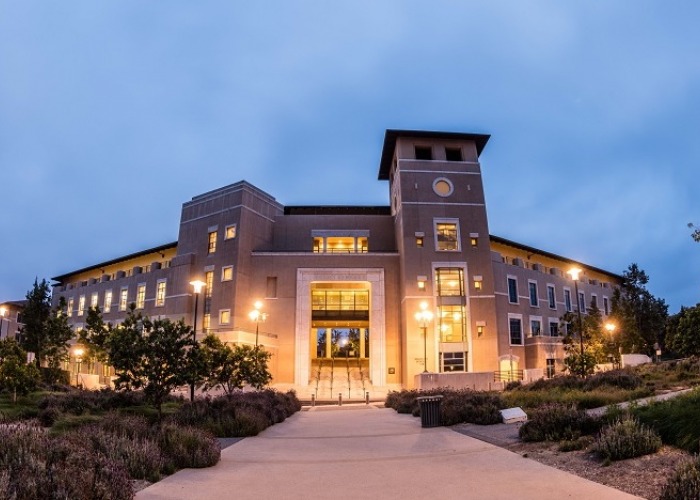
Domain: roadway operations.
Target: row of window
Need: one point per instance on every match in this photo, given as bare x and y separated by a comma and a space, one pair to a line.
534, 299
426, 153
229, 234
123, 299
536, 328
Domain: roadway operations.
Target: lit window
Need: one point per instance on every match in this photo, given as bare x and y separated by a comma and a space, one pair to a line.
230, 232
340, 244
209, 280
419, 241
451, 319
107, 305
474, 240
69, 310
123, 297
206, 322
516, 331
551, 297
93, 300
478, 282
212, 242
512, 290
550, 367
227, 273
535, 327
452, 361
567, 300
449, 281
446, 236
141, 296
160, 293
81, 305
534, 301
421, 283
225, 316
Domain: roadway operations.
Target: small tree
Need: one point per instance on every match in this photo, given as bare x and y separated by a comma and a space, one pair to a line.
232, 367
696, 232
16, 375
684, 332
641, 317
594, 348
94, 335
46, 331
150, 355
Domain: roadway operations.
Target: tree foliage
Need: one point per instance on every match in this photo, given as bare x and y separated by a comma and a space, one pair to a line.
640, 316
94, 335
16, 375
595, 346
232, 367
696, 232
150, 354
46, 331
683, 332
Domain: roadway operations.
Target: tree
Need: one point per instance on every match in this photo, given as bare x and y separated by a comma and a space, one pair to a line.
46, 331
696, 232
594, 345
640, 316
16, 375
94, 335
232, 367
150, 354
684, 332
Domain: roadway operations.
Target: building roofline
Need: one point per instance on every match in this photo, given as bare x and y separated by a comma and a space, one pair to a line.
527, 248
15, 303
114, 261
392, 134
337, 210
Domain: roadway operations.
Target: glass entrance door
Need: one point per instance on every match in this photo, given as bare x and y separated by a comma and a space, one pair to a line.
342, 342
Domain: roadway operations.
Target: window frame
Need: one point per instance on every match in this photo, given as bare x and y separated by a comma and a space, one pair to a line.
224, 269
552, 295
221, 316
532, 286
519, 319
512, 279
124, 298
81, 305
141, 296
458, 241
568, 304
536, 319
211, 242
555, 322
160, 298
107, 304
228, 228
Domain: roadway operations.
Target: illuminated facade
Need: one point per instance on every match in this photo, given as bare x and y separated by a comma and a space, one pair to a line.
340, 286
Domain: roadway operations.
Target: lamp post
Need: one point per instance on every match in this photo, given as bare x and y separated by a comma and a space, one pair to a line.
610, 327
424, 317
574, 273
257, 315
78, 353
197, 285
3, 312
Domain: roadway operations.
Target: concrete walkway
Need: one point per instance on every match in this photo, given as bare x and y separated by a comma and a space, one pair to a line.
358, 452
599, 412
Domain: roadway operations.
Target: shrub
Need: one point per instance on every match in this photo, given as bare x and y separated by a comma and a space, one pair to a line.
48, 416
675, 420
187, 447
579, 443
627, 438
622, 379
555, 422
685, 482
467, 406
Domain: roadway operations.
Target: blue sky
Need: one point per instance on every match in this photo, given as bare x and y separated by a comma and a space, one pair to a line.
114, 113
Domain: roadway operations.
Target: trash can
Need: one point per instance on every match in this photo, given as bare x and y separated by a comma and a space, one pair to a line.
429, 410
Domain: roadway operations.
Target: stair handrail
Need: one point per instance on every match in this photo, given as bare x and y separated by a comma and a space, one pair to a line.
318, 375
362, 376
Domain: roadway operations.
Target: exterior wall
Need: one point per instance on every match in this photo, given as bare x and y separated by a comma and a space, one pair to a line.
11, 320
272, 259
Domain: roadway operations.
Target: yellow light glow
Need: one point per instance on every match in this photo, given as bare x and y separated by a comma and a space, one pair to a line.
78, 352
197, 285
610, 327
574, 273
3, 311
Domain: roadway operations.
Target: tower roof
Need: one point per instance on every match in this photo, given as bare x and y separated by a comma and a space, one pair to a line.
390, 143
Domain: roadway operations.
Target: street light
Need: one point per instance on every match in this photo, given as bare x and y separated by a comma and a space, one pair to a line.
424, 317
257, 315
574, 273
3, 312
78, 353
610, 327
197, 285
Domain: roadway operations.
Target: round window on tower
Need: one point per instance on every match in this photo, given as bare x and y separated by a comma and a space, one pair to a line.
443, 187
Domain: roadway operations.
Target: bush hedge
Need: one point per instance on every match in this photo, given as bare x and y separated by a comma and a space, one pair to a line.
685, 482
675, 420
457, 405
556, 422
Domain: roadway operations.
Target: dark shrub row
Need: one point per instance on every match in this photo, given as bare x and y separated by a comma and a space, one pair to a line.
77, 402
240, 413
676, 420
556, 422
623, 379
457, 405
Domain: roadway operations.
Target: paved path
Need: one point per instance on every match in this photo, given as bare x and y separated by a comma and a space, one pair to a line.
599, 412
367, 452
